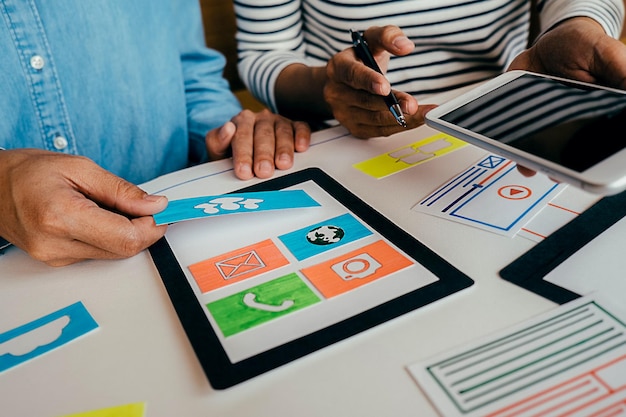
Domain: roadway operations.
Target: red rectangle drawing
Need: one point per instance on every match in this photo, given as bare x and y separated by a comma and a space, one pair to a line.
237, 265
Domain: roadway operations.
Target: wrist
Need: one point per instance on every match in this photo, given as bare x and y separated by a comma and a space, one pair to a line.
300, 92
3, 243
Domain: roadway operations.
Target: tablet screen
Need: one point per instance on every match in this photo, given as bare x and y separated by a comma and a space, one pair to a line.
566, 123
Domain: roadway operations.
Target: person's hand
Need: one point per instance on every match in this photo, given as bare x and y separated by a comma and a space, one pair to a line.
579, 49
62, 209
527, 172
354, 91
258, 143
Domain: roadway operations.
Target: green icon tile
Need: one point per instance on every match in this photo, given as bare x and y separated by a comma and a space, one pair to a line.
260, 304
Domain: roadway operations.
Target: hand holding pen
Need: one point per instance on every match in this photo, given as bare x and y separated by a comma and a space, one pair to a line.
363, 52
353, 92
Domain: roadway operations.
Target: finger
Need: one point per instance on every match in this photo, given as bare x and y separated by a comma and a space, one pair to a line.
265, 141
218, 141
303, 136
108, 232
116, 193
80, 229
527, 172
72, 251
368, 124
285, 143
419, 117
242, 144
388, 38
408, 103
367, 131
68, 252
364, 124
343, 95
366, 108
345, 68
290, 137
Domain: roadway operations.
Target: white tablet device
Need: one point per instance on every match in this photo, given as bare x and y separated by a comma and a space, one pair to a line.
574, 132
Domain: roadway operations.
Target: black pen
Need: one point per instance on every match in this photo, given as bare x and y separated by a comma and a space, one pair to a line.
363, 52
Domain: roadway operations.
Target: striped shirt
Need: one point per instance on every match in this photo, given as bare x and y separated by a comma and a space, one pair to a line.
458, 42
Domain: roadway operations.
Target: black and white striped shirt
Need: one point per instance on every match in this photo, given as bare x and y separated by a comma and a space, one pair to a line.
458, 42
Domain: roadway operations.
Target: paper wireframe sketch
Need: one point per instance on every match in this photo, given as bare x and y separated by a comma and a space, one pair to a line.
491, 194
568, 361
410, 155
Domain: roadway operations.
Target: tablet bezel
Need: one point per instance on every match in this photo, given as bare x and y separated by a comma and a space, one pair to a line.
221, 372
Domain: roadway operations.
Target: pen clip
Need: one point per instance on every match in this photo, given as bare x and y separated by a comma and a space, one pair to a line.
357, 37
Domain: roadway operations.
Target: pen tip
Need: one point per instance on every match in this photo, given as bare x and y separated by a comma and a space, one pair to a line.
397, 113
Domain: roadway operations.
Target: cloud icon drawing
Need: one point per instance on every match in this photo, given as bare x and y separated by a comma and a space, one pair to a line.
29, 341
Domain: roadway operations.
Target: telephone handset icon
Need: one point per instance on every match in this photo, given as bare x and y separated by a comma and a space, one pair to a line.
250, 300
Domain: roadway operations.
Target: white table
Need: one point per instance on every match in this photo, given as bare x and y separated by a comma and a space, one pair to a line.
140, 352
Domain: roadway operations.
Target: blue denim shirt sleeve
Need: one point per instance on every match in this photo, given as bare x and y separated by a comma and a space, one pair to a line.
210, 101
129, 84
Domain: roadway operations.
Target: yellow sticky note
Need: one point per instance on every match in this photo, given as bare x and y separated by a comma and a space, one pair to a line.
410, 155
128, 410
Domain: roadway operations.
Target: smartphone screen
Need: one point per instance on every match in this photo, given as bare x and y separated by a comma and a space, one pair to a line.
573, 125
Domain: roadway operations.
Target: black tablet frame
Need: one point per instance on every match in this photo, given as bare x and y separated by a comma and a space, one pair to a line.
221, 372
529, 270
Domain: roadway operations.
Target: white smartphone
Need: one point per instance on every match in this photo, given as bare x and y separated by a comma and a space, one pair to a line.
572, 131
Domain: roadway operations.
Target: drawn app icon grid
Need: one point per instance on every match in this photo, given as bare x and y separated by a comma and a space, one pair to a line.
291, 292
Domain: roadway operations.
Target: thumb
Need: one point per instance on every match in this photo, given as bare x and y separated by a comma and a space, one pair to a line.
425, 108
218, 141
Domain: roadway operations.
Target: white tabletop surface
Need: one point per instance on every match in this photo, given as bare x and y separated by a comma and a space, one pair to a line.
140, 352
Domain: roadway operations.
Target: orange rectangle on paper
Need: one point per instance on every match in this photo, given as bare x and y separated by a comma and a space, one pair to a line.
356, 268
237, 265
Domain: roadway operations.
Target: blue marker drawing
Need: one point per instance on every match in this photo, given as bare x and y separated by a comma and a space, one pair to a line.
44, 334
323, 236
216, 205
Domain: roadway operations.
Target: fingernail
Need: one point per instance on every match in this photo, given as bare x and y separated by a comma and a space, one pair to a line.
302, 144
153, 198
265, 167
284, 157
223, 133
380, 89
245, 171
402, 42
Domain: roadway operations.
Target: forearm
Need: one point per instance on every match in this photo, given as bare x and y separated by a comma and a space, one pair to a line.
608, 13
3, 243
299, 93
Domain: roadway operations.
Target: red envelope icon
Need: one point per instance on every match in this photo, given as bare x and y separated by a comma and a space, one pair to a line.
237, 265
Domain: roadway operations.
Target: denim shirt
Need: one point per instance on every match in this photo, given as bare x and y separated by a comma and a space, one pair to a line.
127, 83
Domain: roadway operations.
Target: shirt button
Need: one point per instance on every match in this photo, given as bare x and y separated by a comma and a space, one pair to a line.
60, 142
37, 62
